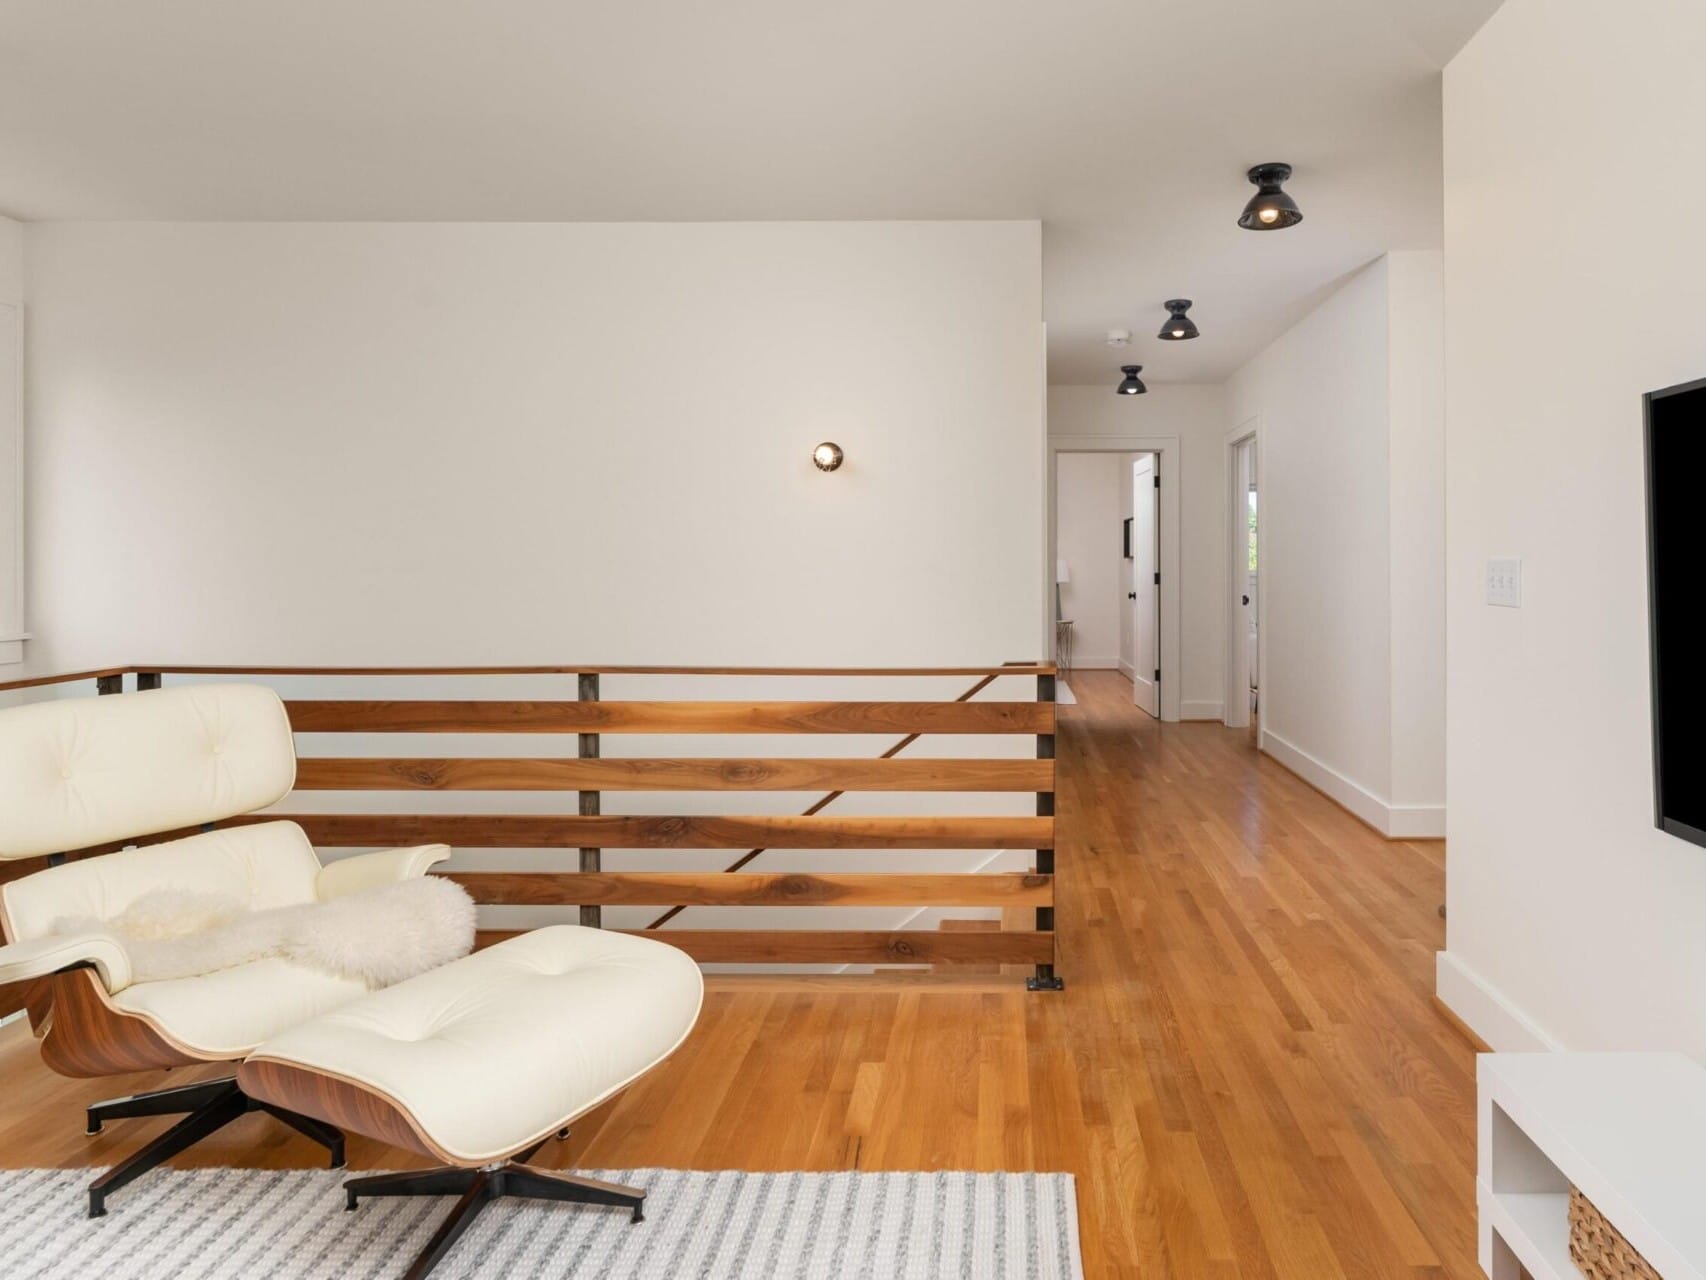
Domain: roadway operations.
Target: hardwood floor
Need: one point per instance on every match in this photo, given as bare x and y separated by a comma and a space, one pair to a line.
1245, 1071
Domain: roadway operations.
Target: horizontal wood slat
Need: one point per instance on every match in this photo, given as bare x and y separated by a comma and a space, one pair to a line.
334, 773
433, 716
811, 946
14, 996
724, 888
621, 831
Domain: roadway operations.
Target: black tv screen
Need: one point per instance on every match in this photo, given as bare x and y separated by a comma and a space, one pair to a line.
1676, 469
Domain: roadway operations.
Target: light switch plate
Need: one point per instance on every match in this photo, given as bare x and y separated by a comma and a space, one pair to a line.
1504, 583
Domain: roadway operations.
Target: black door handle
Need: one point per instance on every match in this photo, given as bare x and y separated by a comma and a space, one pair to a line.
1132, 595
1246, 599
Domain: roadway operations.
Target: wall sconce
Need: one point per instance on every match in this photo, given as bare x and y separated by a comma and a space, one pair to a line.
827, 456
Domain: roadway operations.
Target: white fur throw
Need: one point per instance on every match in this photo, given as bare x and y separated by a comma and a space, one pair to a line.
379, 936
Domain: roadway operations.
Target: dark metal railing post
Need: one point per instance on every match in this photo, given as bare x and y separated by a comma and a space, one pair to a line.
591, 859
1044, 979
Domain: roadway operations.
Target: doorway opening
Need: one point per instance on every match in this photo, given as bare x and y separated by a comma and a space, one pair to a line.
1109, 596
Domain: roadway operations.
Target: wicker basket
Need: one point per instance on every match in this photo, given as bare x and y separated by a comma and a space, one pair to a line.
1599, 1249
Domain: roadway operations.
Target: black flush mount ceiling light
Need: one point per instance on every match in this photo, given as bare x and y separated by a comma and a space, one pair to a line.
1179, 327
1133, 385
1270, 208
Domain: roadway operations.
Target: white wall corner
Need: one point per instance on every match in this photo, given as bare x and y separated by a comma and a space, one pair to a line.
1415, 821
1398, 822
1486, 1011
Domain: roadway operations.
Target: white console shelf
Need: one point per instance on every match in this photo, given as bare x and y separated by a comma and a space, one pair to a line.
1628, 1129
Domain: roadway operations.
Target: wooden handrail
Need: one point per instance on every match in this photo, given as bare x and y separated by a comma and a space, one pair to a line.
67, 677
1009, 669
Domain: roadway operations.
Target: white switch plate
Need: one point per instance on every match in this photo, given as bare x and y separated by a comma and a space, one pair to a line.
1504, 583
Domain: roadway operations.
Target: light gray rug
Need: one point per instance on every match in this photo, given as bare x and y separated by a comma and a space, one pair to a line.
291, 1224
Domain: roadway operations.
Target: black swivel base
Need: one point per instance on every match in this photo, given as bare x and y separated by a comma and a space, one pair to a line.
478, 1188
206, 1107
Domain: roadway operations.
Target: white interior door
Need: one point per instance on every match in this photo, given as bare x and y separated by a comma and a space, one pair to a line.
1248, 597
1243, 678
1145, 595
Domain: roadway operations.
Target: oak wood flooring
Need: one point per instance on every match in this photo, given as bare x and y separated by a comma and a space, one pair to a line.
1245, 1071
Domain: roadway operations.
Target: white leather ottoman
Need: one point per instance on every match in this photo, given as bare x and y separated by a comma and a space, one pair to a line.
485, 1059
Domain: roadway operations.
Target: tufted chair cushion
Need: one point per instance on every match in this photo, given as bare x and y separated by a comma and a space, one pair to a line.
83, 771
88, 771
491, 1053
267, 865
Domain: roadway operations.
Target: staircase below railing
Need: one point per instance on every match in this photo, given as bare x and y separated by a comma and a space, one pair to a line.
587, 884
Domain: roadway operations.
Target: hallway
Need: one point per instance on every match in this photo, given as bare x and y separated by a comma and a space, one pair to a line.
1245, 1070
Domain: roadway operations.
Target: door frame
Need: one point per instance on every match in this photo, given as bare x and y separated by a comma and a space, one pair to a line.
1236, 708
1169, 466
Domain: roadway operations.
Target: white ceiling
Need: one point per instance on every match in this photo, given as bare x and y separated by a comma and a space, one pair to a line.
1125, 125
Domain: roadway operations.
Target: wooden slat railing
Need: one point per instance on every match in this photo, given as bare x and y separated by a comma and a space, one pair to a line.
587, 884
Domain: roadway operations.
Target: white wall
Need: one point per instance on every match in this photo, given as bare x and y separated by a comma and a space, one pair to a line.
370, 444
1087, 536
1195, 413
1351, 461
414, 443
1416, 485
11, 440
1574, 284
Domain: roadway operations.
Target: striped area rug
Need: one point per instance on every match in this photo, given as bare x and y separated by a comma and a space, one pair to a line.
292, 1225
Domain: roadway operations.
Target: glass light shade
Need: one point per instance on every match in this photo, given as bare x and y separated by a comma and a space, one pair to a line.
1270, 209
1133, 385
1179, 327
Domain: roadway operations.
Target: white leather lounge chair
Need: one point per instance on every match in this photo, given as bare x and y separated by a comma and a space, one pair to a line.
86, 772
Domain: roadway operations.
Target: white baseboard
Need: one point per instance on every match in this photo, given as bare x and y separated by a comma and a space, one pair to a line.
1486, 1011
1199, 710
1126, 669
1398, 822
1416, 821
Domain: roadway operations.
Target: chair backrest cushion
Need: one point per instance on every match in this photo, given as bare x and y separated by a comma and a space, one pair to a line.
83, 771
268, 864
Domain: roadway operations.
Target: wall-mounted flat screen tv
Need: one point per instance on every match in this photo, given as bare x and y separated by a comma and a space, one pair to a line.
1676, 522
